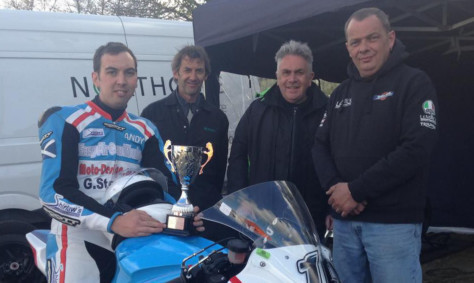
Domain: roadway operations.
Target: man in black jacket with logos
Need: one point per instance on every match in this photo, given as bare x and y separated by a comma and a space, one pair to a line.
186, 118
372, 154
274, 137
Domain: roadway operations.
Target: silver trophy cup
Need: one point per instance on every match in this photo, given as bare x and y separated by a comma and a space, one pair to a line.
186, 163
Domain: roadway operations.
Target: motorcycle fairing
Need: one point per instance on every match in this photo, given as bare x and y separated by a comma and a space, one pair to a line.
156, 258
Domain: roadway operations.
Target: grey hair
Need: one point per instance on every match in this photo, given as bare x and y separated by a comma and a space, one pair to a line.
364, 13
293, 47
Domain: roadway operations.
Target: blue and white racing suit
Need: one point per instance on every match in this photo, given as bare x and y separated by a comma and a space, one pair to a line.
83, 150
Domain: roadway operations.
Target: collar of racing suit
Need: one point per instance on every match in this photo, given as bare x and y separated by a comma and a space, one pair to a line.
114, 113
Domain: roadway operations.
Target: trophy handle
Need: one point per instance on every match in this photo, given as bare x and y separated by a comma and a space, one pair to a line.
166, 151
209, 153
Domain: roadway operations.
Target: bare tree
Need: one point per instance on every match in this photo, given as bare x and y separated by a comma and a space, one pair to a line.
162, 9
38, 5
181, 9
21, 4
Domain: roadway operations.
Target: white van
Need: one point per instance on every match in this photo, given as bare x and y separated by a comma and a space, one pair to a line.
46, 60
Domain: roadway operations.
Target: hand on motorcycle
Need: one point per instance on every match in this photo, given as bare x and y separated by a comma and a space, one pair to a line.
198, 223
136, 223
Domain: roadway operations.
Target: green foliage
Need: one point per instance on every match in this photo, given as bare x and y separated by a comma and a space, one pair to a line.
327, 87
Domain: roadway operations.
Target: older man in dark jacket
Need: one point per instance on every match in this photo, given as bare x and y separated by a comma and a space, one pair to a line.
274, 137
186, 118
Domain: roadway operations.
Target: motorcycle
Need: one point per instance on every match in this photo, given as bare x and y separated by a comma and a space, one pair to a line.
277, 242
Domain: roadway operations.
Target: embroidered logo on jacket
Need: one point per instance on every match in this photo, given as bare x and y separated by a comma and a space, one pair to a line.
115, 127
63, 211
103, 149
346, 102
429, 108
61, 218
45, 136
68, 209
134, 138
429, 119
48, 149
91, 133
101, 169
207, 129
383, 96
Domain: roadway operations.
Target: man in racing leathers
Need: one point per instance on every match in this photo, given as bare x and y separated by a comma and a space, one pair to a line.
83, 148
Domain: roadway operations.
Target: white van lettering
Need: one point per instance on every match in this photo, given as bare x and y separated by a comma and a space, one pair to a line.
84, 90
162, 85
80, 86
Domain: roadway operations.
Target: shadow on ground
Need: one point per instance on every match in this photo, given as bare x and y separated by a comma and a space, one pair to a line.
448, 258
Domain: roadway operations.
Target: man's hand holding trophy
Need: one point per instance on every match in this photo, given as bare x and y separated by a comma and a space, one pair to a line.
185, 161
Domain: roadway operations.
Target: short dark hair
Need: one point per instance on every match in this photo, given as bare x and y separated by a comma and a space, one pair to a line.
193, 52
364, 13
113, 48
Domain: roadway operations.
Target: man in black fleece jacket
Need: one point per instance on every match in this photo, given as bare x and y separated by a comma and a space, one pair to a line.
274, 137
372, 154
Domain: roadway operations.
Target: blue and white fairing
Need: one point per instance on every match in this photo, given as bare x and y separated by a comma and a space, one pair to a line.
274, 216
156, 258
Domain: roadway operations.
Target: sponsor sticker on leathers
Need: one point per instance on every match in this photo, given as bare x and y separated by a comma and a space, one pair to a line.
93, 132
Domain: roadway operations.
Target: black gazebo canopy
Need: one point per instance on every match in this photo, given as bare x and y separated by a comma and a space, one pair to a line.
242, 36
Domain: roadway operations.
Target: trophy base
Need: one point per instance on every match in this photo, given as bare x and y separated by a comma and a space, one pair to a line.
179, 225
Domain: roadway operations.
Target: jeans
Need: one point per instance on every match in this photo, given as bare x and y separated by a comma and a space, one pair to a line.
375, 252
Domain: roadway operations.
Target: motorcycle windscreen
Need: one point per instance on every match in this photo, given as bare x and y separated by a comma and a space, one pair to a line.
271, 213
